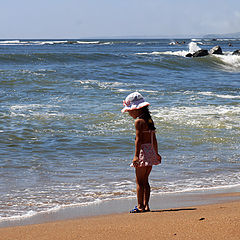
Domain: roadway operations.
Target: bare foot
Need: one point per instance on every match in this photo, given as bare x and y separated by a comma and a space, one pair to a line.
147, 209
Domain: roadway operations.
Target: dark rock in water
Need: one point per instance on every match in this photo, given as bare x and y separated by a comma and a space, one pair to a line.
189, 55
216, 50
237, 52
201, 53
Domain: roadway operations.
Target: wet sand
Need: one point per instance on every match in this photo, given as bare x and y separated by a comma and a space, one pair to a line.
214, 221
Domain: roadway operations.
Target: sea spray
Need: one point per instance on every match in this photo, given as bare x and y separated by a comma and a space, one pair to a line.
193, 47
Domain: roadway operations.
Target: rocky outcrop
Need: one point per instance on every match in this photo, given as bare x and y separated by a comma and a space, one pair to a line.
189, 55
200, 53
237, 52
216, 50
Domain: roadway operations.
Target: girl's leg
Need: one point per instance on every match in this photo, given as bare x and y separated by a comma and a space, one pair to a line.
147, 190
140, 172
143, 188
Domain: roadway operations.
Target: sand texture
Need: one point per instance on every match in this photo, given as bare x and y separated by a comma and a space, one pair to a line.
217, 221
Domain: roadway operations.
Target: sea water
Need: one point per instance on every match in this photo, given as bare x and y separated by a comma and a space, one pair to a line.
64, 141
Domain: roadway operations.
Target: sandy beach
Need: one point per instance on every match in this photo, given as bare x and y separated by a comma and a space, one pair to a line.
214, 221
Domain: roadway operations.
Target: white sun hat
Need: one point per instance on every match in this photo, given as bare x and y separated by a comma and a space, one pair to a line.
134, 101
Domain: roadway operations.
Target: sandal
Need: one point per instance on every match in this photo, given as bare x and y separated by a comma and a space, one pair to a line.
136, 210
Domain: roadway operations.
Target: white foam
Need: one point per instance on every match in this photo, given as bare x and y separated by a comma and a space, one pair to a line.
30, 214
88, 42
219, 95
30, 106
227, 61
123, 90
231, 62
10, 42
176, 53
14, 42
109, 191
148, 53
196, 39
227, 39
139, 90
212, 182
104, 85
193, 47
51, 42
201, 116
107, 43
18, 217
148, 91
35, 110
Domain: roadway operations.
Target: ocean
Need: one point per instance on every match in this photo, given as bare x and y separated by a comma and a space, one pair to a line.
64, 141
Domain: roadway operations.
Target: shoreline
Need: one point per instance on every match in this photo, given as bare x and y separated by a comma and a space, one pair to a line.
120, 206
212, 221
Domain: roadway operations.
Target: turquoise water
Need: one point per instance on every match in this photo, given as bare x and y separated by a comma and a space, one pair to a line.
64, 141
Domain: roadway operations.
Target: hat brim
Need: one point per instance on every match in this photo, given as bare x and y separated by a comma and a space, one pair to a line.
133, 107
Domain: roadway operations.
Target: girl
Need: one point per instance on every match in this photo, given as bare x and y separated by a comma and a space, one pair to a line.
146, 149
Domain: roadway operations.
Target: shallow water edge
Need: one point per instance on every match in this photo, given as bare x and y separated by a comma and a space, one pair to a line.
159, 202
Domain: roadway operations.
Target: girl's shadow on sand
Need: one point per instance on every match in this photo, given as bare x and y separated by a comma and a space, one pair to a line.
174, 210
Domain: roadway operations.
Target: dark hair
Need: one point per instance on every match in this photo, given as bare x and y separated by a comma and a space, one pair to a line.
147, 118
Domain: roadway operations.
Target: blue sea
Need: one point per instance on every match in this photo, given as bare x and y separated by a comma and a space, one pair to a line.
64, 141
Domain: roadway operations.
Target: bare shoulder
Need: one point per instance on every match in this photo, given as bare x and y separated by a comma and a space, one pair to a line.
139, 124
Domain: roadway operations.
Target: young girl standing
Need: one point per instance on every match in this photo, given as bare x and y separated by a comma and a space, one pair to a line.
146, 149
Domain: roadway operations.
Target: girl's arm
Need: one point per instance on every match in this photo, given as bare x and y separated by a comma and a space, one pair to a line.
155, 145
138, 141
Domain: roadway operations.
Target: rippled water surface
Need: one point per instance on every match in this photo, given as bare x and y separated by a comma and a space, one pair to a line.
64, 140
